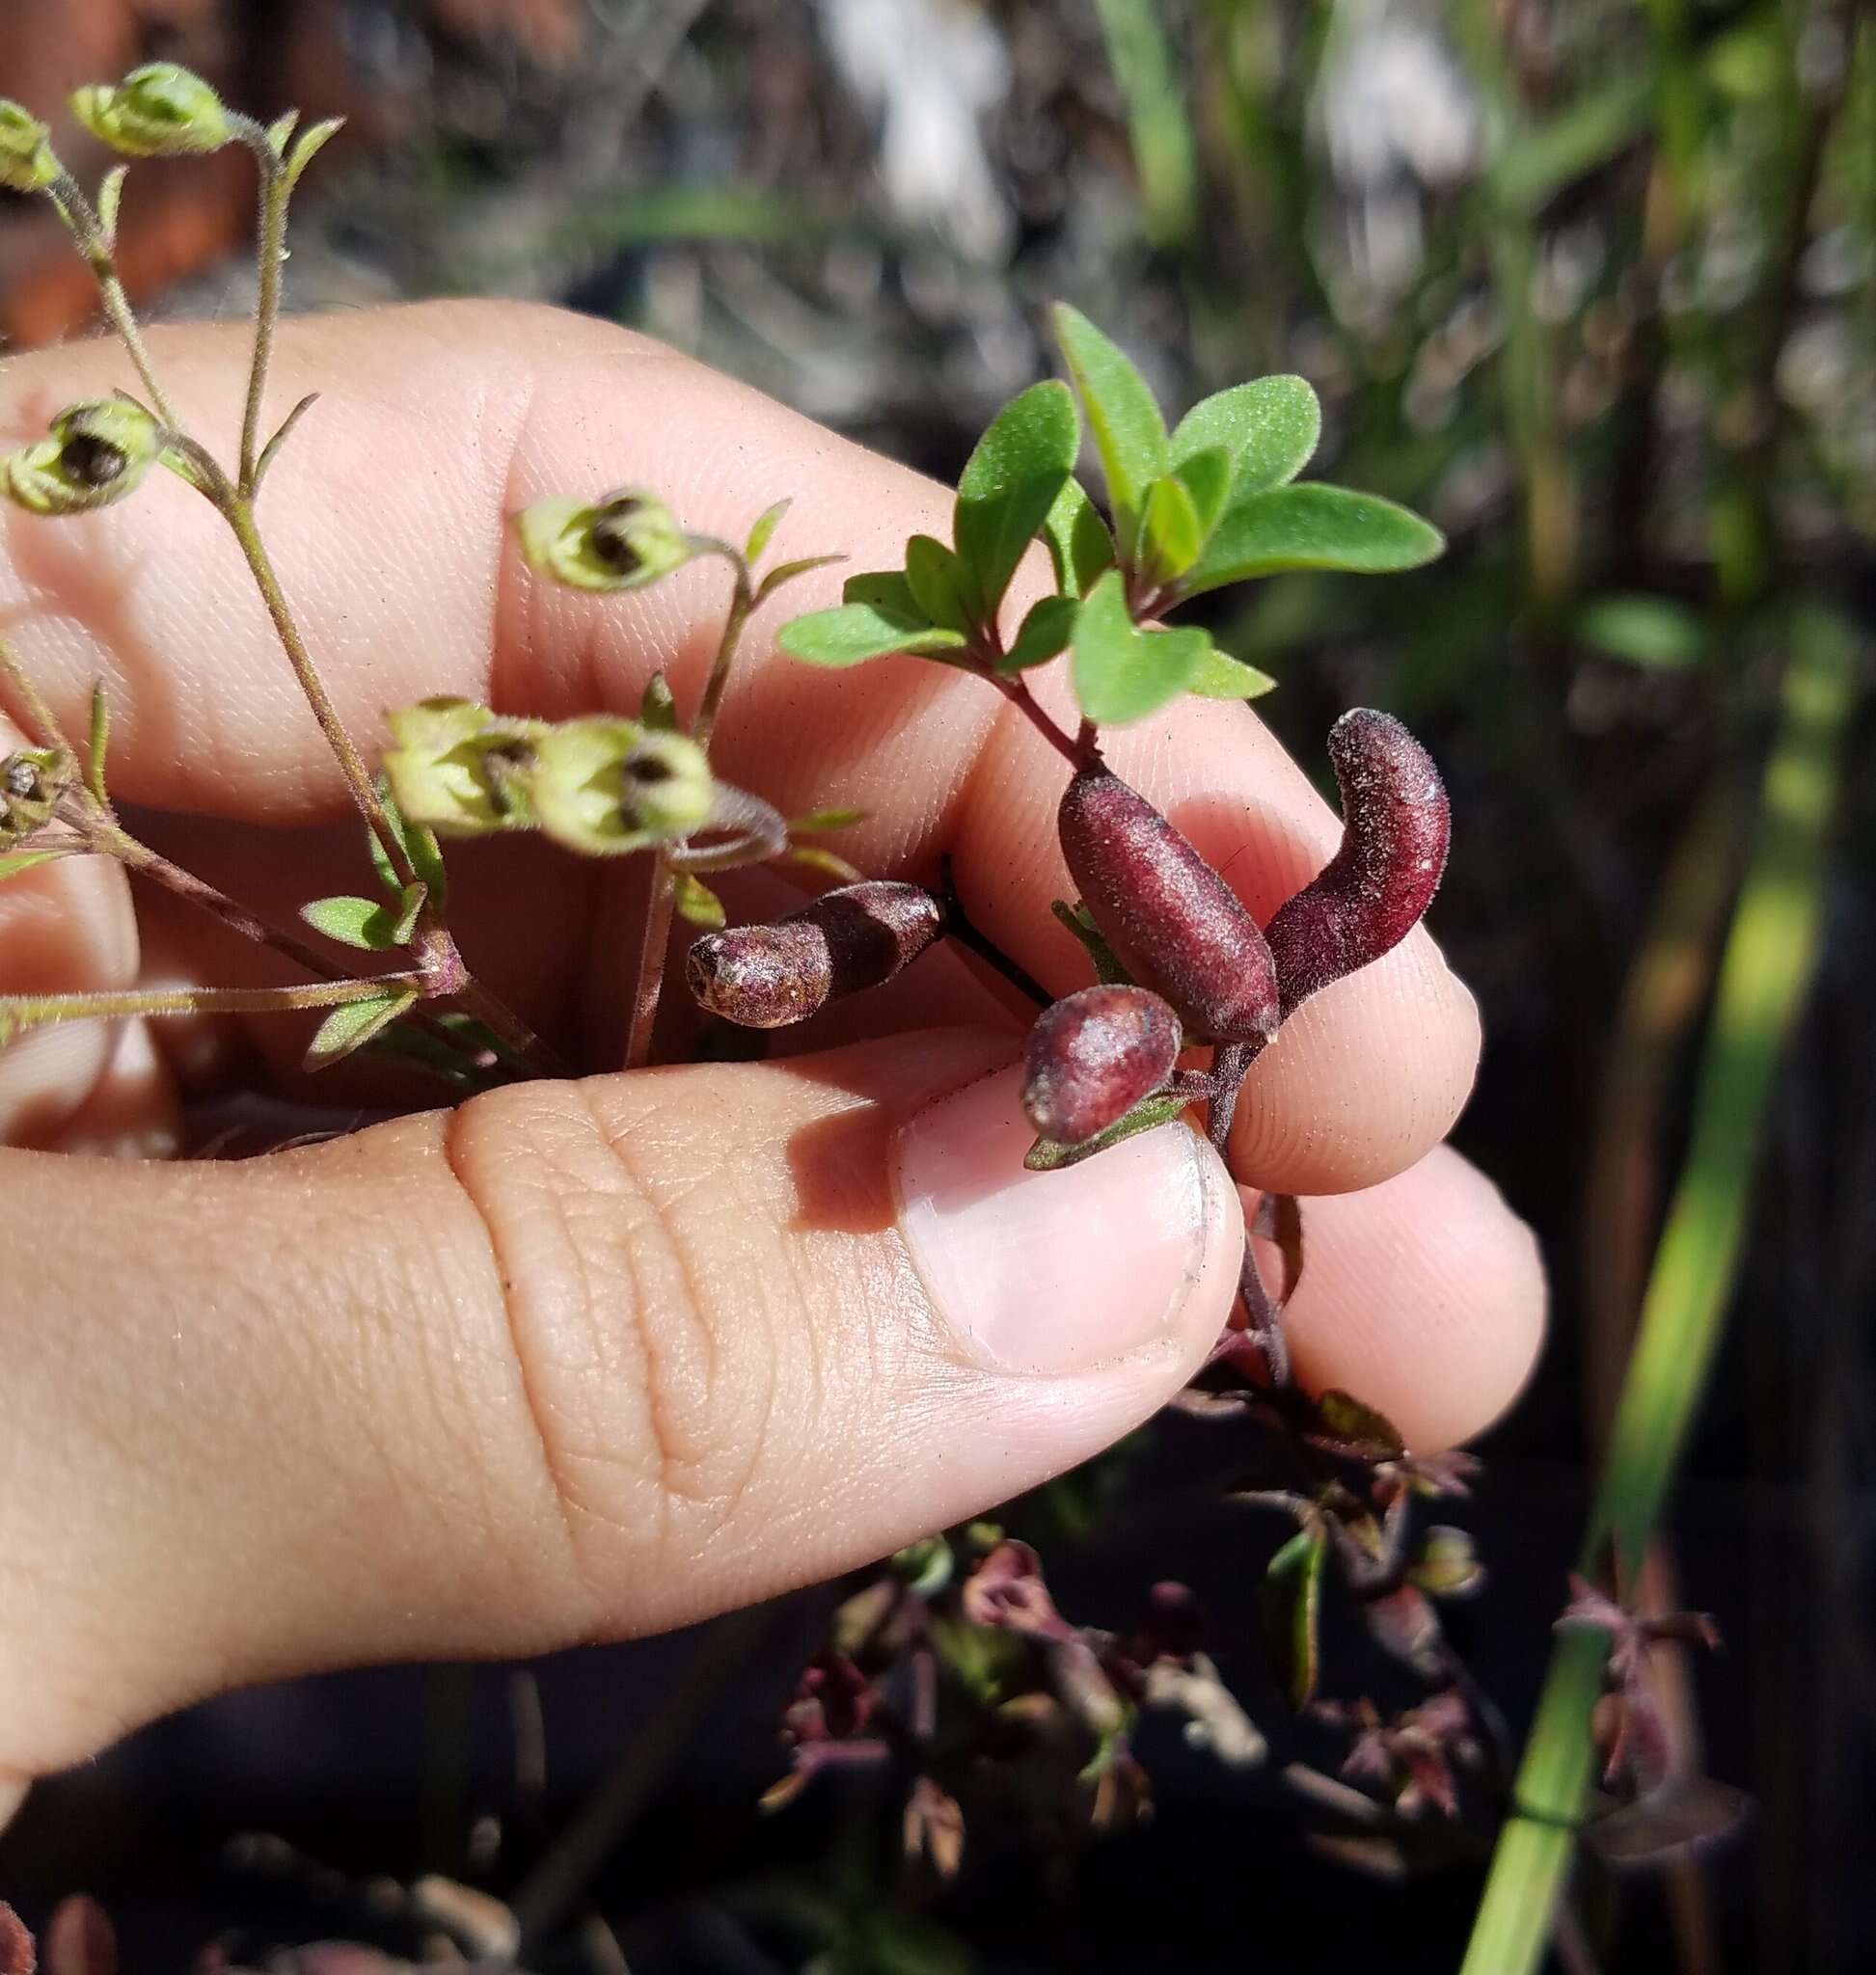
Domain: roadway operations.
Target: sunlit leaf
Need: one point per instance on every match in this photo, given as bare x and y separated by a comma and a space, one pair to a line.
1121, 672
1130, 434
1010, 483
353, 1024
1290, 1605
1312, 526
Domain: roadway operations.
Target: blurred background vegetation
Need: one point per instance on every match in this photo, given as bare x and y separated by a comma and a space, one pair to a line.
1592, 282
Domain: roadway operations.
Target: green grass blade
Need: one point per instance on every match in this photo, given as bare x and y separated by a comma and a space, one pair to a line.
1764, 974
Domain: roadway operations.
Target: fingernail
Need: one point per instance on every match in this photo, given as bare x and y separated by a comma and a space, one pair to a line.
1054, 1273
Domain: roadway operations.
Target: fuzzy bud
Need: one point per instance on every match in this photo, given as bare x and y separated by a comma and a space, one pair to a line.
766, 976
458, 770
1170, 919
26, 160
96, 454
31, 783
157, 110
1093, 1056
622, 543
1395, 822
603, 786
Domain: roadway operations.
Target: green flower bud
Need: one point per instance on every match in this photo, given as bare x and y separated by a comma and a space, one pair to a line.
606, 786
626, 541
96, 454
157, 110
26, 160
31, 783
459, 770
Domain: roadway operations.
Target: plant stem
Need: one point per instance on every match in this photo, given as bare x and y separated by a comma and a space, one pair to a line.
662, 906
275, 192
1764, 972
961, 927
42, 1011
82, 223
32, 701
239, 512
1077, 754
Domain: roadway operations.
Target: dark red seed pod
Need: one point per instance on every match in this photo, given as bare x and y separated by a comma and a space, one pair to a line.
764, 977
1395, 821
1171, 921
1093, 1056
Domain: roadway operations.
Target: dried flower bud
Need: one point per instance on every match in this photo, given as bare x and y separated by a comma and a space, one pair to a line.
31, 783
96, 454
1093, 1056
157, 110
766, 976
459, 770
1171, 920
622, 543
605, 786
1395, 825
26, 160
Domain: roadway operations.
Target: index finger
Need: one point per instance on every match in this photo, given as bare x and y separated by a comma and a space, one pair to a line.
385, 518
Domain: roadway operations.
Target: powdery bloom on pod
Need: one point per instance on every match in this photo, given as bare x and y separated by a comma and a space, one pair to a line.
1171, 920
768, 977
1093, 1056
1395, 823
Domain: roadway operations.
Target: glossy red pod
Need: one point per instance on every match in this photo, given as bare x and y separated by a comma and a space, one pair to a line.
766, 976
1173, 922
1093, 1056
1396, 825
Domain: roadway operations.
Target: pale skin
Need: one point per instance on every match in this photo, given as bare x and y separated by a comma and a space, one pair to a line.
581, 1360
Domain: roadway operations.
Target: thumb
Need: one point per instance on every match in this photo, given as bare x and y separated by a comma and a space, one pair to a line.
574, 1361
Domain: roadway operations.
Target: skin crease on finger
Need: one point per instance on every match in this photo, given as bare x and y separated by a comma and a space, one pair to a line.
386, 520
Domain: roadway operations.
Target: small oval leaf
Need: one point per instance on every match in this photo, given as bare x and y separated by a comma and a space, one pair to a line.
353, 1023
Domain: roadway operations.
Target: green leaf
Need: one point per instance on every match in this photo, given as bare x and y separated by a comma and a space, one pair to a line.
353, 1023
110, 198
938, 582
1311, 526
405, 924
764, 528
1130, 434
1121, 672
1044, 632
787, 572
12, 865
818, 819
812, 857
1079, 542
1170, 533
1269, 427
856, 633
1291, 1602
1080, 921
1655, 632
1222, 677
1011, 482
421, 846
101, 742
1207, 477
657, 706
352, 922
698, 904
312, 143
1349, 1426
1046, 1155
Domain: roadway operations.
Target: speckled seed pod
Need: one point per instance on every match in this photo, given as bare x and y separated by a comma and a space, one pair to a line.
1171, 921
766, 976
1395, 821
1093, 1056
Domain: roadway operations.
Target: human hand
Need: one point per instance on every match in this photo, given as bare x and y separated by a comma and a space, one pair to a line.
584, 1360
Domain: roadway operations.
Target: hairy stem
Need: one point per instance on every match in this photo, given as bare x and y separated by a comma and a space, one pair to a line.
1076, 751
275, 193
42, 1011
32, 702
82, 223
661, 908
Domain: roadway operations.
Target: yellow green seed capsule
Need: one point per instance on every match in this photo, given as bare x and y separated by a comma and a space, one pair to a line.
621, 543
461, 770
161, 110
96, 454
604, 787
32, 780
26, 160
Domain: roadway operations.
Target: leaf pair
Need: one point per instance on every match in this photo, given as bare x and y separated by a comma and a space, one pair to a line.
945, 603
